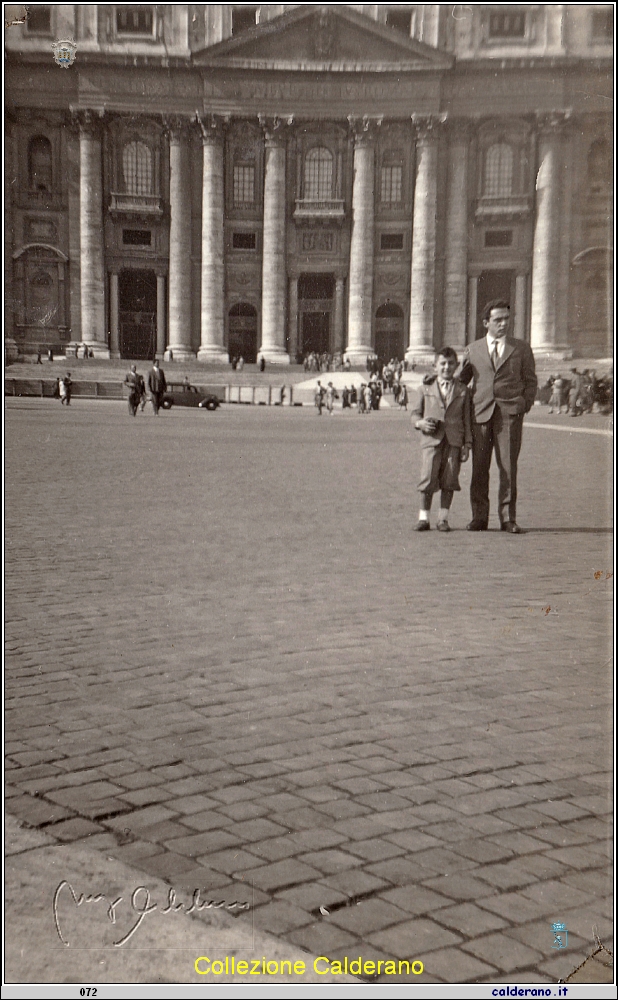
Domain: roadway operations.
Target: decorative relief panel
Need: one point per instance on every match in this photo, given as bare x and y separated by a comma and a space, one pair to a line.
391, 279
243, 279
41, 230
316, 241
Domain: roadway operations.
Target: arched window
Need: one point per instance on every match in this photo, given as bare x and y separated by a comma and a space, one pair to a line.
499, 170
137, 168
40, 163
318, 174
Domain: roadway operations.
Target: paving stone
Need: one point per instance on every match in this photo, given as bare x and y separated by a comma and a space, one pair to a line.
453, 966
145, 796
400, 870
442, 861
140, 818
231, 860
482, 851
330, 862
209, 819
313, 895
342, 809
508, 876
414, 939
551, 896
374, 849
577, 857
367, 915
513, 906
470, 920
208, 842
597, 882
318, 938
415, 899
504, 952
280, 917
133, 779
538, 935
414, 840
74, 829
36, 812
167, 865
282, 874
354, 883
364, 827
460, 886
518, 843
257, 829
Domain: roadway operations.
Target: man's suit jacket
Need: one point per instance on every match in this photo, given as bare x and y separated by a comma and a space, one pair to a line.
156, 381
512, 386
455, 421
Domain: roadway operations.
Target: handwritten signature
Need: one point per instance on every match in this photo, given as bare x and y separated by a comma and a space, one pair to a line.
141, 904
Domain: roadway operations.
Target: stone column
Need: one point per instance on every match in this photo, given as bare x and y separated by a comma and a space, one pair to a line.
546, 336
293, 320
423, 277
179, 281
91, 254
360, 280
338, 340
456, 265
160, 351
10, 177
473, 287
274, 265
212, 347
114, 342
519, 325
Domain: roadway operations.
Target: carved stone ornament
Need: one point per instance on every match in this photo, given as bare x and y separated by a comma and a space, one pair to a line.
390, 279
427, 126
324, 41
553, 122
212, 127
89, 120
364, 129
275, 128
178, 127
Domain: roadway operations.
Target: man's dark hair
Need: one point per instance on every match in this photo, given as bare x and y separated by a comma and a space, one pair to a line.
447, 352
494, 304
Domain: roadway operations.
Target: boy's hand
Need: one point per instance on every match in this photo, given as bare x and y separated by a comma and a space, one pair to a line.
465, 451
428, 425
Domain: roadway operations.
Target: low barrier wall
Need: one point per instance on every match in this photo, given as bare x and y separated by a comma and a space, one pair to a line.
252, 395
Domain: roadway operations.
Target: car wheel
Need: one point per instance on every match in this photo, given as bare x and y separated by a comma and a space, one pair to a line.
166, 404
211, 404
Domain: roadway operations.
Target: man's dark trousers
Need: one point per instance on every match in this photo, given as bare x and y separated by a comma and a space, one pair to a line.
501, 432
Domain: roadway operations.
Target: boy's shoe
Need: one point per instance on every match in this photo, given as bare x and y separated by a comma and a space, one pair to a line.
512, 527
477, 526
443, 526
422, 526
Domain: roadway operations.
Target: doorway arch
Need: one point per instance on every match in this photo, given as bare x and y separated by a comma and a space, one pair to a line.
242, 336
389, 340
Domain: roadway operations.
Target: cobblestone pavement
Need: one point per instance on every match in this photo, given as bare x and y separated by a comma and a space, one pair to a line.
231, 659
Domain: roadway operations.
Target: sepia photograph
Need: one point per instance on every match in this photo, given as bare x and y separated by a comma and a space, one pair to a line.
257, 730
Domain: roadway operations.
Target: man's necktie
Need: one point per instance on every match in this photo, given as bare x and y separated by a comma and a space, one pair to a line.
494, 355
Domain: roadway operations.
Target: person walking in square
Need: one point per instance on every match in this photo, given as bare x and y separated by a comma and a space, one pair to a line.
443, 415
331, 396
65, 386
132, 381
504, 384
156, 385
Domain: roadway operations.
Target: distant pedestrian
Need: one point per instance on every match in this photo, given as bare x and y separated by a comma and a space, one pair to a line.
262, 362
234, 362
402, 398
345, 398
132, 380
50, 355
240, 364
318, 398
556, 394
38, 358
157, 386
331, 396
64, 385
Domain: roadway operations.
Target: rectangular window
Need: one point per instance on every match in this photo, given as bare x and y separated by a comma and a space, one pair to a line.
391, 241
38, 20
509, 25
244, 185
244, 241
133, 20
243, 18
498, 237
400, 20
603, 26
136, 237
391, 184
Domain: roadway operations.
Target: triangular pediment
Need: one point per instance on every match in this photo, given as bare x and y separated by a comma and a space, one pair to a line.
323, 37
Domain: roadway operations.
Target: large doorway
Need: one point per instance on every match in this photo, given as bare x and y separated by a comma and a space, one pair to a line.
494, 285
137, 314
315, 303
242, 336
389, 339
316, 332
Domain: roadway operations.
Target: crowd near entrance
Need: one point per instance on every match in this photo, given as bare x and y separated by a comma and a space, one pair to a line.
389, 338
243, 332
137, 314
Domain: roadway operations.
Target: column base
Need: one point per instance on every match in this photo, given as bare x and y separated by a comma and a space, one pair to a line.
553, 352
358, 355
98, 350
213, 355
423, 354
274, 355
178, 353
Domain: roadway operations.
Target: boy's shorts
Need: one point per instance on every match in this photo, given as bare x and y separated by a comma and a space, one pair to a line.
440, 468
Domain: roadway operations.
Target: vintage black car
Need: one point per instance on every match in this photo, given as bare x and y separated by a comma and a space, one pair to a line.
184, 394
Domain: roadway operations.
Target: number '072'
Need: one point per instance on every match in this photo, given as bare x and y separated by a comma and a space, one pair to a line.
88, 991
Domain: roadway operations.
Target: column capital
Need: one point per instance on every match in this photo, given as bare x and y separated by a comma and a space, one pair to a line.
212, 127
178, 127
364, 130
89, 121
552, 123
275, 128
427, 126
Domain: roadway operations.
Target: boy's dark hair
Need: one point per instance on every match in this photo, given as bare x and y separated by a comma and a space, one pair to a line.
447, 352
494, 304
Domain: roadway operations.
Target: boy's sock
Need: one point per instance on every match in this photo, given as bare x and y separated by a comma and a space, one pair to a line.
423, 514
446, 499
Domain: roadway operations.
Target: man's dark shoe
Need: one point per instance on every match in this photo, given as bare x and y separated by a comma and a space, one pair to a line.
512, 527
443, 526
422, 526
477, 526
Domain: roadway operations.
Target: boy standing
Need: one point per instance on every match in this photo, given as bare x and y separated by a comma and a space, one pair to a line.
443, 415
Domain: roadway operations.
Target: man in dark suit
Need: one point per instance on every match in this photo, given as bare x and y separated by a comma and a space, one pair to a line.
504, 389
157, 386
